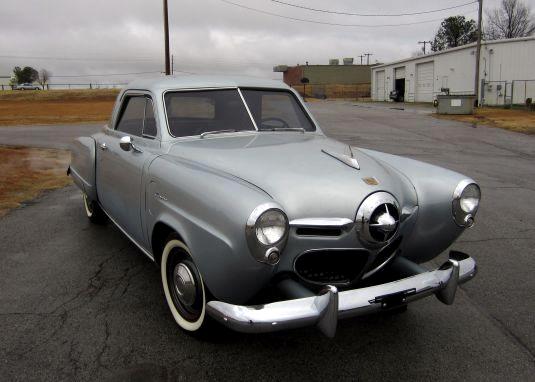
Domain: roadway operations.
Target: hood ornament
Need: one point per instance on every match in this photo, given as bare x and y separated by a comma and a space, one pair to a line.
349, 160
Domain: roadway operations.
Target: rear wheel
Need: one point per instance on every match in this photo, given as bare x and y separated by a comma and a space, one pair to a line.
93, 211
183, 285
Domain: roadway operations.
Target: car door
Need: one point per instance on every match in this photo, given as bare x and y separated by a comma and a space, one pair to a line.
119, 171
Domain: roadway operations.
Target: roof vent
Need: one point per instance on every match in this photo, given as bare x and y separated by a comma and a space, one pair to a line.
334, 61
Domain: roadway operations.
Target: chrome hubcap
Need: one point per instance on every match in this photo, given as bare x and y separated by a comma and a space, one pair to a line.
184, 284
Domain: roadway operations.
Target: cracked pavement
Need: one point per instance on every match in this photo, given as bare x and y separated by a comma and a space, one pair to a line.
79, 302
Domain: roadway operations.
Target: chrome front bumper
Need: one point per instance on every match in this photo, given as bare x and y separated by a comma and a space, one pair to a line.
325, 309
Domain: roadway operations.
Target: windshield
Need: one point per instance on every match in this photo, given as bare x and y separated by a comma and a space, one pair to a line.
191, 113
276, 109
196, 112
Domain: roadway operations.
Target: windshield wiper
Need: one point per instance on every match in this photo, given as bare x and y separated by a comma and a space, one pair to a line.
284, 129
218, 132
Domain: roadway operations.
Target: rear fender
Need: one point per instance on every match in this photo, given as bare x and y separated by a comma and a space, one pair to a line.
82, 167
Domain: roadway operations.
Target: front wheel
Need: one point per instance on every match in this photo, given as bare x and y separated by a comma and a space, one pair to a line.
183, 285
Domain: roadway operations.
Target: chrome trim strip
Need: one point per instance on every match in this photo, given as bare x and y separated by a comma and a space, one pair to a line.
325, 309
247, 108
145, 252
217, 132
345, 159
343, 223
380, 266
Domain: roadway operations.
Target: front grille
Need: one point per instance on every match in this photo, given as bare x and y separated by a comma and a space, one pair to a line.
331, 266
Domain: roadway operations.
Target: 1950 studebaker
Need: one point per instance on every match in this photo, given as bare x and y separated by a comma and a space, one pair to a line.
260, 221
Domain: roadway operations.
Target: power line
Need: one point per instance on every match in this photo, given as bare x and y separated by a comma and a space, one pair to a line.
79, 58
371, 14
104, 75
325, 22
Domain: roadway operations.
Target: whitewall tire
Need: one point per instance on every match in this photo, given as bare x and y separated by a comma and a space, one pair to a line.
183, 286
93, 210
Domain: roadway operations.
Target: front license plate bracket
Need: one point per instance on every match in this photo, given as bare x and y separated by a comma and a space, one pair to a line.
393, 300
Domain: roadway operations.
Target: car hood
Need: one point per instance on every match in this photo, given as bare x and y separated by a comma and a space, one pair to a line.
294, 170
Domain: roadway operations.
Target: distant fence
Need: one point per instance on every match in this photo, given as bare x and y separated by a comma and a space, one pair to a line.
334, 90
56, 86
516, 93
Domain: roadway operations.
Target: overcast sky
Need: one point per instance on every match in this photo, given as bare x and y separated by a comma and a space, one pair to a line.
74, 37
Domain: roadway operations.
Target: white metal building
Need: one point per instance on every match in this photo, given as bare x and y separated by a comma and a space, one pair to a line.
507, 73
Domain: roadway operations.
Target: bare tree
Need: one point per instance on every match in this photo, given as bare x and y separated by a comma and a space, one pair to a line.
512, 19
44, 76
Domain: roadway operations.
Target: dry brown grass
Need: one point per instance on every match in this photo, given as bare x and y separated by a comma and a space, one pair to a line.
522, 121
27, 172
56, 106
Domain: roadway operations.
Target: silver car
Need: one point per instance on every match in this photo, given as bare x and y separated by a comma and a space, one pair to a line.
260, 222
26, 86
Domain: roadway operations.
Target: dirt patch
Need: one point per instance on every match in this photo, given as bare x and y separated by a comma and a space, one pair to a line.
522, 121
56, 106
27, 172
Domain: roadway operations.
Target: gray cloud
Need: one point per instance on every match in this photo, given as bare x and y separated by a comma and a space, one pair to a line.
207, 36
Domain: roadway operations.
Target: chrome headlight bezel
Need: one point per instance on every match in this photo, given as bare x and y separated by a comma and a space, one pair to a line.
462, 211
269, 252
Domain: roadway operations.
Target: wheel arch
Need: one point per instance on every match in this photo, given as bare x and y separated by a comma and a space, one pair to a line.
160, 233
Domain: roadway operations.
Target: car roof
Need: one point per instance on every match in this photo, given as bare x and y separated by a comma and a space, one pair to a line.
162, 83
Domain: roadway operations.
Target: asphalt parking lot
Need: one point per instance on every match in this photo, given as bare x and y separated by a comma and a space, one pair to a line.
79, 302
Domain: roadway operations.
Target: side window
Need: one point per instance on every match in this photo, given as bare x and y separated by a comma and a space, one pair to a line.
131, 121
149, 128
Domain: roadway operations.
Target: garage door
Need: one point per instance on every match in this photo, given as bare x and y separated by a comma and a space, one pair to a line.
380, 85
424, 82
399, 73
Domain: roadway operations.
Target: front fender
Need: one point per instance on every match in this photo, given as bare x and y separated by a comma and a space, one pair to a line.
209, 211
434, 230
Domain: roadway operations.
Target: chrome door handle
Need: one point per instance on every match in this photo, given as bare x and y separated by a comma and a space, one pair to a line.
103, 146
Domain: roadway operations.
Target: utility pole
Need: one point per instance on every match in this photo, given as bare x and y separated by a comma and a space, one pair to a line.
172, 64
361, 57
166, 34
478, 51
425, 43
368, 57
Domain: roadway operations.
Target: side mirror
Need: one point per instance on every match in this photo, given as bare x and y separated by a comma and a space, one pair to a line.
126, 143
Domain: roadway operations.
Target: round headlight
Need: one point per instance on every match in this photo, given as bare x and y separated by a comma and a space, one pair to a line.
267, 232
270, 227
465, 203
